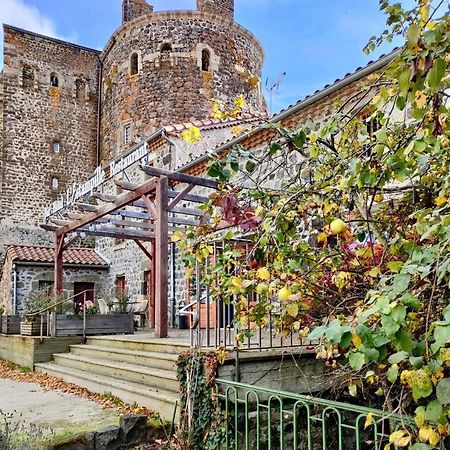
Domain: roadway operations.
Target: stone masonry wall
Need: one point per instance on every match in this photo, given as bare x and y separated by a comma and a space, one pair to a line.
224, 8
171, 85
6, 286
36, 115
131, 9
29, 276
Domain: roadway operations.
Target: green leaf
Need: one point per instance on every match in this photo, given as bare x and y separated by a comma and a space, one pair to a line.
421, 384
398, 357
299, 139
403, 82
353, 390
413, 34
433, 411
403, 341
389, 325
250, 166
443, 391
372, 354
441, 337
416, 362
395, 266
410, 301
420, 447
346, 340
292, 310
356, 360
401, 103
317, 333
334, 332
436, 74
400, 282
392, 374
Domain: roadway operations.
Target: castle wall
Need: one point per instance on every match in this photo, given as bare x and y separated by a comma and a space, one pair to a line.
171, 85
36, 116
224, 8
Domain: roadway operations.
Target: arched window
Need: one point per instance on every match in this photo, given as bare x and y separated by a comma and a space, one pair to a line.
56, 146
166, 49
55, 183
206, 60
79, 88
28, 77
134, 64
54, 82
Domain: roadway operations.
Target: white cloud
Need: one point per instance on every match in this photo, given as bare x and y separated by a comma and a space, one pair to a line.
19, 14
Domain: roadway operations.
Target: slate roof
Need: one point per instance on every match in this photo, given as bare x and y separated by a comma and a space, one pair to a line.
45, 255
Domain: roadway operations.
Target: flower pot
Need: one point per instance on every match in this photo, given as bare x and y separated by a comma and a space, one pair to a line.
33, 328
10, 324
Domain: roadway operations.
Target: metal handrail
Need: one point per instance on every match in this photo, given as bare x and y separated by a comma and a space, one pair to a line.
53, 307
195, 317
49, 308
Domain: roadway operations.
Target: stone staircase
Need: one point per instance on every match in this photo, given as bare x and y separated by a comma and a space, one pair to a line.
136, 371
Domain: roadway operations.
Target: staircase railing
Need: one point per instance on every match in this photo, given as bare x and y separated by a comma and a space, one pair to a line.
50, 312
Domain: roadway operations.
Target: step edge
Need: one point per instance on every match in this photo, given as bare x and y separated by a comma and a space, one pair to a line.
143, 353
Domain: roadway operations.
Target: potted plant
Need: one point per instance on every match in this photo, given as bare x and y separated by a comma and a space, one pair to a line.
37, 301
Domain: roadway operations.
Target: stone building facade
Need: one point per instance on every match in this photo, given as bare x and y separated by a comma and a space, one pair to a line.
65, 108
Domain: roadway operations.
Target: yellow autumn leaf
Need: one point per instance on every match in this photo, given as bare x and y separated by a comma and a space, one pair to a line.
373, 272
192, 135
440, 201
369, 420
356, 341
263, 274
178, 236
421, 99
424, 13
387, 447
322, 238
400, 438
258, 211
237, 130
239, 102
429, 434
313, 138
236, 281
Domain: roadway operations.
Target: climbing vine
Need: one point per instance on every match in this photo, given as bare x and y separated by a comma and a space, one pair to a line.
346, 224
202, 425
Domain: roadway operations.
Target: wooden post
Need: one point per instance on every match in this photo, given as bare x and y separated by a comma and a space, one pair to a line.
59, 249
151, 284
161, 257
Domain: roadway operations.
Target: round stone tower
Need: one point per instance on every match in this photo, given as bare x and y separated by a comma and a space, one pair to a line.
163, 68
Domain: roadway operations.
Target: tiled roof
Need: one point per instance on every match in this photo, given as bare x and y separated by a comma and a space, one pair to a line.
45, 255
359, 73
215, 124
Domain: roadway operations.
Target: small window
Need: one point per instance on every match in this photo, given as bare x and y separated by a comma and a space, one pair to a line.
134, 64
54, 81
120, 286
56, 147
206, 60
79, 88
55, 183
127, 134
166, 49
28, 77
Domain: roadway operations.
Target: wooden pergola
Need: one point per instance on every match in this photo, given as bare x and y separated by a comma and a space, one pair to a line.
149, 212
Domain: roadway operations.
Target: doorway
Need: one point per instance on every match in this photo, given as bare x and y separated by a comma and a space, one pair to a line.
79, 290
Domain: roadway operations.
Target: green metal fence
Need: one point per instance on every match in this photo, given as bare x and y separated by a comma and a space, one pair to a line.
264, 419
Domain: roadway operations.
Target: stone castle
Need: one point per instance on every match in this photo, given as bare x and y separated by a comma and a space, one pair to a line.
65, 109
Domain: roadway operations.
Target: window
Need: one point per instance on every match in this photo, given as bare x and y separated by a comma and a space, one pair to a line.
134, 64
55, 183
127, 134
120, 285
206, 60
28, 77
56, 147
166, 49
54, 82
46, 286
79, 88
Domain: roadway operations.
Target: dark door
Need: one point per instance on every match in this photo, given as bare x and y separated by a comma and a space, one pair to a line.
80, 290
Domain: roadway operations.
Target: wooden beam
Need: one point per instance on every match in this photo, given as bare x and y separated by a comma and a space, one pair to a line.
161, 258
122, 200
87, 207
180, 196
71, 242
106, 198
180, 177
58, 272
150, 206
74, 216
190, 197
145, 216
182, 210
125, 185
142, 247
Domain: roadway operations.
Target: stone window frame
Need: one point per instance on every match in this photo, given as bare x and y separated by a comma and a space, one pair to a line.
126, 138
55, 183
54, 80
56, 146
28, 77
214, 60
138, 53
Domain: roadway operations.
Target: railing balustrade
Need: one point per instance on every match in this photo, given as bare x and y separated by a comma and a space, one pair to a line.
265, 419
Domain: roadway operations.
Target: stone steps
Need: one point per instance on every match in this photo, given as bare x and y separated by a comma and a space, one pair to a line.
159, 360
156, 399
134, 370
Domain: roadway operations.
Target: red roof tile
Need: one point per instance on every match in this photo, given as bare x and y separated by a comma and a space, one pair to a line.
39, 254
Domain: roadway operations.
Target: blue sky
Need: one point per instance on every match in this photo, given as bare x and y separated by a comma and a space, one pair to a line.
313, 41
